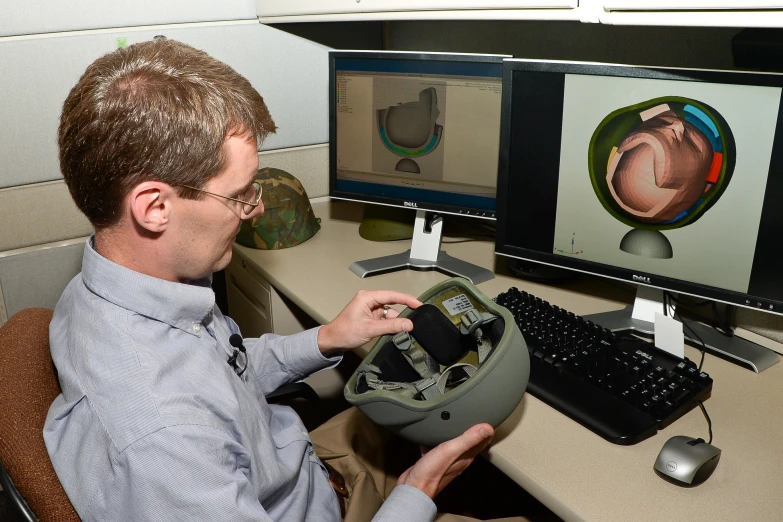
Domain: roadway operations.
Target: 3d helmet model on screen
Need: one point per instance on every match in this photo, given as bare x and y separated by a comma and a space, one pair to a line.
660, 165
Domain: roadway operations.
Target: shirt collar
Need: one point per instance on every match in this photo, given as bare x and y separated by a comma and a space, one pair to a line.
177, 304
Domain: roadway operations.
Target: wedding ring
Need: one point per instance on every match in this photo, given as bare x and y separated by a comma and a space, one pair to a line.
385, 311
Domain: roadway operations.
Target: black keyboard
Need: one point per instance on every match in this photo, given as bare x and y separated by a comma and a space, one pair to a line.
616, 385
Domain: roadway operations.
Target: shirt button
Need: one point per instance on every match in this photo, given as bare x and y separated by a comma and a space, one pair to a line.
196, 327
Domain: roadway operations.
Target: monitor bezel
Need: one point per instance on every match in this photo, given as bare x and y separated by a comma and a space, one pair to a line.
388, 201
510, 67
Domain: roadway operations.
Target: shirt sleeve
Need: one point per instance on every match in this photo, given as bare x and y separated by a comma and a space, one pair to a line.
283, 359
181, 473
406, 503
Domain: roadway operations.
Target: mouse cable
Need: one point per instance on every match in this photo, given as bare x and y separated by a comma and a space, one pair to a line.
709, 422
723, 325
668, 307
677, 316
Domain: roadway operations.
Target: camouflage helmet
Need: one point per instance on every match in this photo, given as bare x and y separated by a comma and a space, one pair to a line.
288, 217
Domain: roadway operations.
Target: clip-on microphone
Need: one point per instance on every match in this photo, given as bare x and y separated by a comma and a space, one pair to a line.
236, 341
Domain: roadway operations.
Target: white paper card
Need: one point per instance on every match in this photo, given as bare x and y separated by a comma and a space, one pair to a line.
668, 335
457, 304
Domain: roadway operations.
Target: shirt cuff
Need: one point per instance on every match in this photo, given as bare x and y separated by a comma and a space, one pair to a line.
303, 355
406, 503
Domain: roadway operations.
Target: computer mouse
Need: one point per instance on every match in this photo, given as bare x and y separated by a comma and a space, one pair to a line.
686, 461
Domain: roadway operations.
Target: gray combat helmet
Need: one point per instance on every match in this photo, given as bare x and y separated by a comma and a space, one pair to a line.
475, 367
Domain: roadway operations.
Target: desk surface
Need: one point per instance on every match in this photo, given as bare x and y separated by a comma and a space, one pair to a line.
574, 472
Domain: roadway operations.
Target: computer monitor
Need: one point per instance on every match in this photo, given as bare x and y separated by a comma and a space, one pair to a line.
668, 178
419, 131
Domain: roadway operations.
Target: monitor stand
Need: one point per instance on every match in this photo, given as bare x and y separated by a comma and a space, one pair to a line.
641, 319
425, 254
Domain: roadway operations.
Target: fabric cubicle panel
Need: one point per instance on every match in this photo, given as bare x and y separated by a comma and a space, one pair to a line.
37, 214
290, 73
48, 16
36, 277
41, 250
310, 165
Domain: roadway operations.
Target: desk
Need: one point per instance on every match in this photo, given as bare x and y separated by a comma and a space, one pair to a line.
577, 474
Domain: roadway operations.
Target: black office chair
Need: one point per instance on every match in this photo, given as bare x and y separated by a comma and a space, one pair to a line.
28, 386
289, 392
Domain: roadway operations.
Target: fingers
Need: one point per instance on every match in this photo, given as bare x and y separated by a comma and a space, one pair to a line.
440, 465
469, 444
390, 322
389, 326
475, 439
378, 298
392, 313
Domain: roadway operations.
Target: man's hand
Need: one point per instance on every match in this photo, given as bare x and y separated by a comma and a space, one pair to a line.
362, 320
442, 464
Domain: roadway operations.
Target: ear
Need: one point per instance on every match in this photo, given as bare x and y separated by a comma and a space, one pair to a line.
150, 205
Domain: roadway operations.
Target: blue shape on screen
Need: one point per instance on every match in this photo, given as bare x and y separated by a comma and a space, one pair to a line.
685, 212
703, 122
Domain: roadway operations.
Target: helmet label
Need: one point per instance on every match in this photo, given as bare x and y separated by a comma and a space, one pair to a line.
457, 304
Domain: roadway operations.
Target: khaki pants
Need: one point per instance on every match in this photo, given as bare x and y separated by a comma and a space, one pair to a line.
370, 459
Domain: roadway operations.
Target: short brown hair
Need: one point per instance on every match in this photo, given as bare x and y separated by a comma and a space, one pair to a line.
154, 111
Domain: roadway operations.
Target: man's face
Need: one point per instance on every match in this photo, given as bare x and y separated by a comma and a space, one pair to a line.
207, 227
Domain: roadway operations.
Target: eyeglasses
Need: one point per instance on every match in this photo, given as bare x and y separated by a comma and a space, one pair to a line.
250, 199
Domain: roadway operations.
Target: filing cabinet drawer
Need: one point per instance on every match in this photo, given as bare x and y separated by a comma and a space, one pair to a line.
249, 300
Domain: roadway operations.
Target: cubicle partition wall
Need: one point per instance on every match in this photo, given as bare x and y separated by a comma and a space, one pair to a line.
41, 231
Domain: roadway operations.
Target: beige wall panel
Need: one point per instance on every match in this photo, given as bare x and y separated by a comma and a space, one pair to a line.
38, 72
3, 313
37, 214
44, 212
46, 16
309, 164
36, 277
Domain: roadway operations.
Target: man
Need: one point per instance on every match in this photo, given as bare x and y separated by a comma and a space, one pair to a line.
158, 147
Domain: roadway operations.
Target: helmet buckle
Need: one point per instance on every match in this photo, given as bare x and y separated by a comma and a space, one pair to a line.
471, 321
402, 341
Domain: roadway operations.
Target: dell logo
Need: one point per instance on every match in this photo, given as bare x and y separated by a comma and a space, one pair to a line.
671, 466
410, 204
641, 279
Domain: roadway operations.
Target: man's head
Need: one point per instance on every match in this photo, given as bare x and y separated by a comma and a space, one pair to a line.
157, 110
147, 120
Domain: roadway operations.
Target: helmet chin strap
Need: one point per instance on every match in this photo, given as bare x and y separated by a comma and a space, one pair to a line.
433, 381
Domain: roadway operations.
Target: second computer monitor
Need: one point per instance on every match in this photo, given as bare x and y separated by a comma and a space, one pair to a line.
669, 178
418, 131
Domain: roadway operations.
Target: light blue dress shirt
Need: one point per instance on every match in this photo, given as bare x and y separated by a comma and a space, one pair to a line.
153, 424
